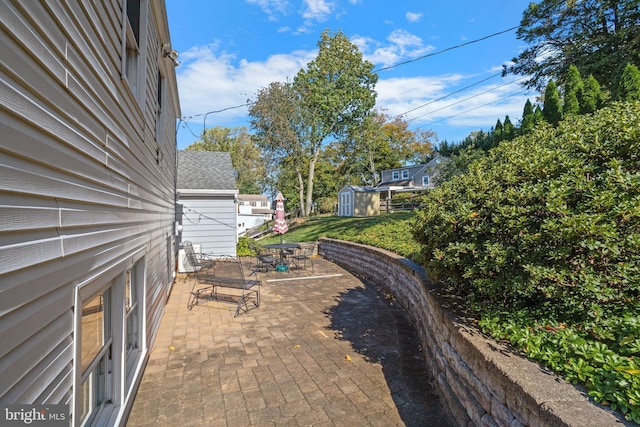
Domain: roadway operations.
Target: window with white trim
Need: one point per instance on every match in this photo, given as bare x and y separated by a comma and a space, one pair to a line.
109, 338
425, 180
395, 175
405, 174
132, 25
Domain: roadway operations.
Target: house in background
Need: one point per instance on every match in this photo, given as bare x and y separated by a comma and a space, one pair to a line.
411, 178
253, 211
208, 195
87, 199
358, 201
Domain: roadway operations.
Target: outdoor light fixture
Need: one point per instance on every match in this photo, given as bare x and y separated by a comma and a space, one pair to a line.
172, 54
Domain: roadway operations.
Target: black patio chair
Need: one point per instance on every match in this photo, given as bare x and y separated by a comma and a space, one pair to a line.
304, 255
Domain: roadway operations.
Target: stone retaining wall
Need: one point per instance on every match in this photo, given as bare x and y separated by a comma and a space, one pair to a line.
480, 381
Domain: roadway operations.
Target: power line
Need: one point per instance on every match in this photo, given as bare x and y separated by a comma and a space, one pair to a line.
466, 99
446, 96
445, 50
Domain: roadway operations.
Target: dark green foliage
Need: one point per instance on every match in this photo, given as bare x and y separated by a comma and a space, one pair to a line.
552, 110
629, 86
553, 216
573, 88
542, 235
599, 37
592, 98
528, 119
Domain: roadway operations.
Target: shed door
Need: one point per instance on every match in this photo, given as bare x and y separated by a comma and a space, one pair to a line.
346, 208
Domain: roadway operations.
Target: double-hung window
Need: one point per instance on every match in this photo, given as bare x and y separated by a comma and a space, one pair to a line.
109, 341
132, 26
96, 363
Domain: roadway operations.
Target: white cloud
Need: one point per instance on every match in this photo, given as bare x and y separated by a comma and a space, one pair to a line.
272, 7
209, 80
401, 45
413, 16
317, 10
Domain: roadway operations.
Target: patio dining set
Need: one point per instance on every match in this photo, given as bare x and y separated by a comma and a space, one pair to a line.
234, 279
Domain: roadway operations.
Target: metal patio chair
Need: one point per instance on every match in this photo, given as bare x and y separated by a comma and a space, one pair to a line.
227, 274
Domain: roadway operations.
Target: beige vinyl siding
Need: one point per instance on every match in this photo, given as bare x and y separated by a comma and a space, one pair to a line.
82, 183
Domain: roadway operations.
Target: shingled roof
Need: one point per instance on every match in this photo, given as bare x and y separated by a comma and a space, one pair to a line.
205, 170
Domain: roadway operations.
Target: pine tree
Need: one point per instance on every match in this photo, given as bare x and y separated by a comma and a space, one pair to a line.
552, 110
591, 99
538, 115
508, 129
629, 85
528, 119
573, 88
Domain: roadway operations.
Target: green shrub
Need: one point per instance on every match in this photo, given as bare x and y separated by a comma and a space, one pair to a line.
543, 237
553, 216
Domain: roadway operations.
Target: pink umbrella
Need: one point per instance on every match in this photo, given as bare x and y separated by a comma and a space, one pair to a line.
280, 226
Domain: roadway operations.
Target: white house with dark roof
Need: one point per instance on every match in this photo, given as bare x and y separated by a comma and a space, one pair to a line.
208, 194
253, 211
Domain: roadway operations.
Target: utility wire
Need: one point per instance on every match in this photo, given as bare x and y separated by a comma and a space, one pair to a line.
446, 96
465, 99
445, 50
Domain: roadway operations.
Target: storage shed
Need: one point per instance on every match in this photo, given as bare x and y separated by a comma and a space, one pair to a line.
355, 200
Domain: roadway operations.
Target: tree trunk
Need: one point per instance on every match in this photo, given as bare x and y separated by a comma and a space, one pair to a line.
312, 168
301, 191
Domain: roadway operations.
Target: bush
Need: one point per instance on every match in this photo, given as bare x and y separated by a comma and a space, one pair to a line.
549, 219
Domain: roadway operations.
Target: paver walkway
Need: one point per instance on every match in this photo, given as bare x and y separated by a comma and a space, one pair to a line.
323, 351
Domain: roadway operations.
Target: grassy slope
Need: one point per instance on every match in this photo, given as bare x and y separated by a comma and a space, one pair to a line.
389, 231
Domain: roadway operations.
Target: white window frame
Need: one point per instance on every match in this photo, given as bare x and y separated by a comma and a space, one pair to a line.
405, 174
123, 368
425, 180
133, 51
395, 175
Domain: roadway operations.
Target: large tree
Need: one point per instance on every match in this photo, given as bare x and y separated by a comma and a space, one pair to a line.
294, 121
281, 132
245, 156
599, 37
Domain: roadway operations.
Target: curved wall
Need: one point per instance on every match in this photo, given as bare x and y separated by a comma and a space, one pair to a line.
480, 381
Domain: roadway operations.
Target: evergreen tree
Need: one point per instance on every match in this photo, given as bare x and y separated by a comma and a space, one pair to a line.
552, 110
528, 119
508, 129
629, 85
573, 88
497, 133
538, 115
591, 99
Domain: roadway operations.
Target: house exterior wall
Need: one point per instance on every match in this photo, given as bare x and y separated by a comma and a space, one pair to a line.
87, 193
210, 221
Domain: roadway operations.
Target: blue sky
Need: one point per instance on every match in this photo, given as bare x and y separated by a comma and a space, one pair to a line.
230, 49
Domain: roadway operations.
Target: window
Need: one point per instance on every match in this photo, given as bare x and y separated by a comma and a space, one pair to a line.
96, 355
109, 341
159, 105
425, 180
395, 175
133, 295
405, 174
132, 26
